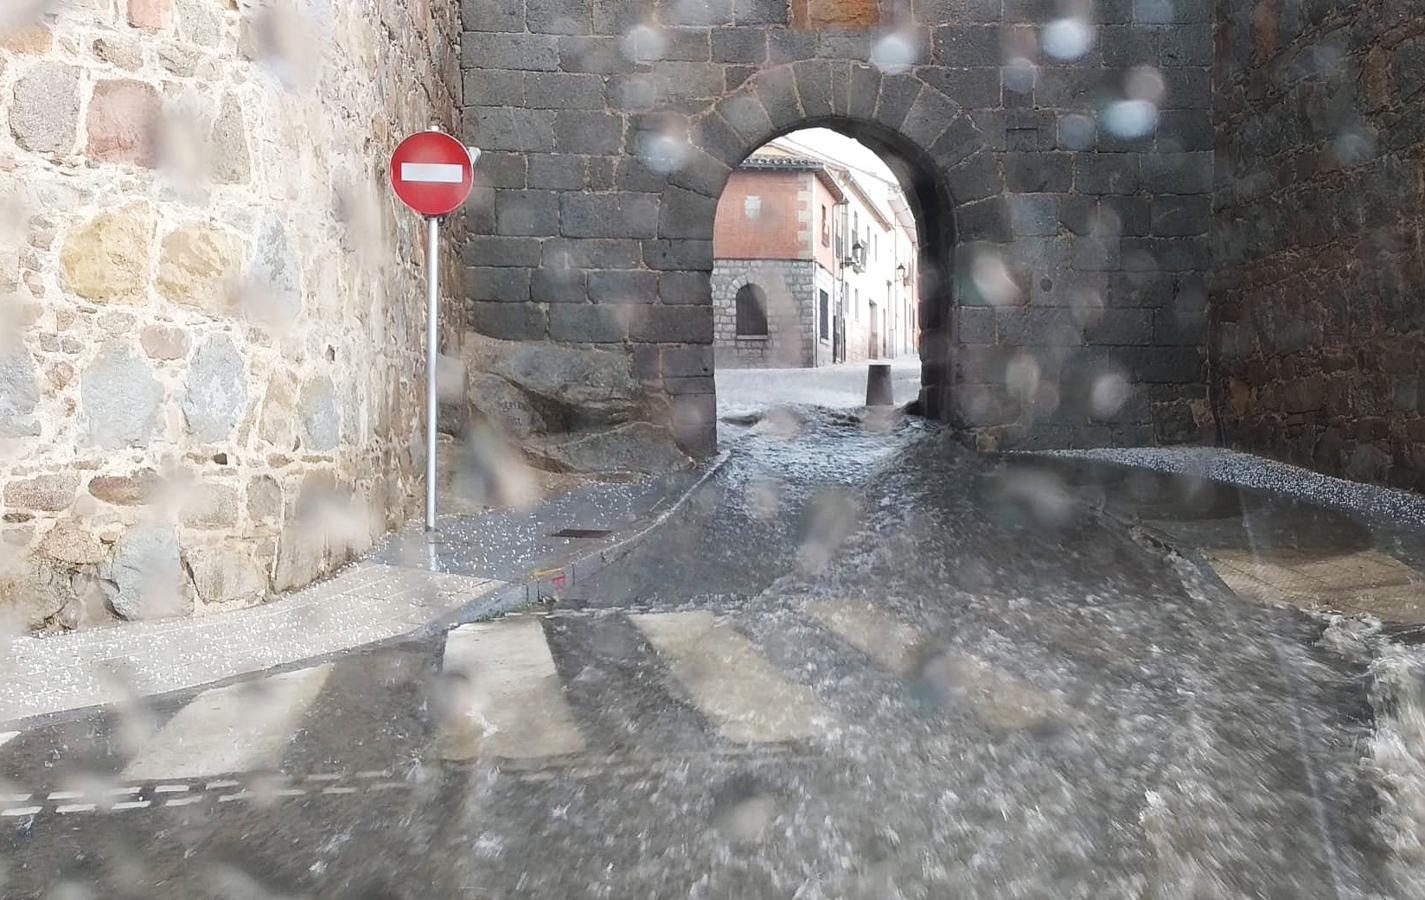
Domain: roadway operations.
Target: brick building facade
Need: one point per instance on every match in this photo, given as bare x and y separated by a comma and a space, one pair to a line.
773, 247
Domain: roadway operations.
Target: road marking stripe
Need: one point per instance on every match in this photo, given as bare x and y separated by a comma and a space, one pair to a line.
339, 790
130, 804
20, 811
729, 680
75, 808
240, 795
876, 633
65, 795
8, 736
185, 801
222, 783
511, 703
238, 728
14, 798
432, 173
388, 786
170, 788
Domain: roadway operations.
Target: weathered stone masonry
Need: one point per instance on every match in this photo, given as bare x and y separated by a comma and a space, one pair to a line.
790, 288
1319, 234
210, 361
1058, 256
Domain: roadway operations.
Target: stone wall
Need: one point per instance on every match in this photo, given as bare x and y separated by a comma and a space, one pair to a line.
212, 359
1319, 234
790, 287
1060, 169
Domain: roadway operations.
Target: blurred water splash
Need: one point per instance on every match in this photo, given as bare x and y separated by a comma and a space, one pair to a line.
1018, 74
643, 44
1137, 114
662, 153
1396, 747
991, 278
831, 517
20, 13
1067, 39
1355, 146
893, 53
1109, 393
285, 38
1130, 118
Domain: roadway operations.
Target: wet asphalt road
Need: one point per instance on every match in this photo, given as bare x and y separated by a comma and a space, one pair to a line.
995, 692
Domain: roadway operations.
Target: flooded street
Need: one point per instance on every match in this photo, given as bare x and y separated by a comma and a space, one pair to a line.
858, 662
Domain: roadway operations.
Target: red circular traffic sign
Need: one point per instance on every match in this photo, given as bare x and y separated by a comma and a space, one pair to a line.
431, 172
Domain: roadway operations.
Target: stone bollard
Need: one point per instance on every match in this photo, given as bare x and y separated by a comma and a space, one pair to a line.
878, 385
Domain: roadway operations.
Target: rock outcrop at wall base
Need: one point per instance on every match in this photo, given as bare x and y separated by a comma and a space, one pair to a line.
566, 408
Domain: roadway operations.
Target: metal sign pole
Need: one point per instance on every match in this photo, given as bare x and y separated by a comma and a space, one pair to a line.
432, 359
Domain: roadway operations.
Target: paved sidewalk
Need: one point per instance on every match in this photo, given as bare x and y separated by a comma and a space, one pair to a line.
474, 566
843, 386
1271, 532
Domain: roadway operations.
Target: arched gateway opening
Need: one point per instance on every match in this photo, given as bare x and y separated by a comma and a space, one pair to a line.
823, 257
949, 177
1063, 250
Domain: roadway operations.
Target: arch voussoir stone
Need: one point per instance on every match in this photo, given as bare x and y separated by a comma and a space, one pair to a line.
898, 93
813, 81
702, 172
928, 117
776, 89
743, 111
863, 92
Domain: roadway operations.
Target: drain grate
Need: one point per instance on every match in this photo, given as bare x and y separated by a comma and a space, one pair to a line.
582, 533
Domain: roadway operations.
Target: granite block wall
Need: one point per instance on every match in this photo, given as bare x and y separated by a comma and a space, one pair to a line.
1060, 162
1319, 235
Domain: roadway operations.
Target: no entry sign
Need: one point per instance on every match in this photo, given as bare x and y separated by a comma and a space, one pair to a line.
432, 173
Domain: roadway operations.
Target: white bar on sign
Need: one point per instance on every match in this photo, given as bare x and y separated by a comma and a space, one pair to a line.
432, 173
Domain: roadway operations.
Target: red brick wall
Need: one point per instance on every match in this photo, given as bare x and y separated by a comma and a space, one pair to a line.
777, 232
825, 253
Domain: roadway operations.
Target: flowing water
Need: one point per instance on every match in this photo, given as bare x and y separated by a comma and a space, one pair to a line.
859, 662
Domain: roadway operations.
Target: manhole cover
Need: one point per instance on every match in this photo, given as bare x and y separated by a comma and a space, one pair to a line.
582, 533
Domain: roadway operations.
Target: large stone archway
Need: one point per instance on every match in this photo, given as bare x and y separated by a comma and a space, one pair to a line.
1065, 266
938, 154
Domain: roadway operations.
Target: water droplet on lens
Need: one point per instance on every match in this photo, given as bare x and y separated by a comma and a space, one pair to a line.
643, 44
1131, 118
663, 154
892, 54
1067, 39
1108, 395
1018, 75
